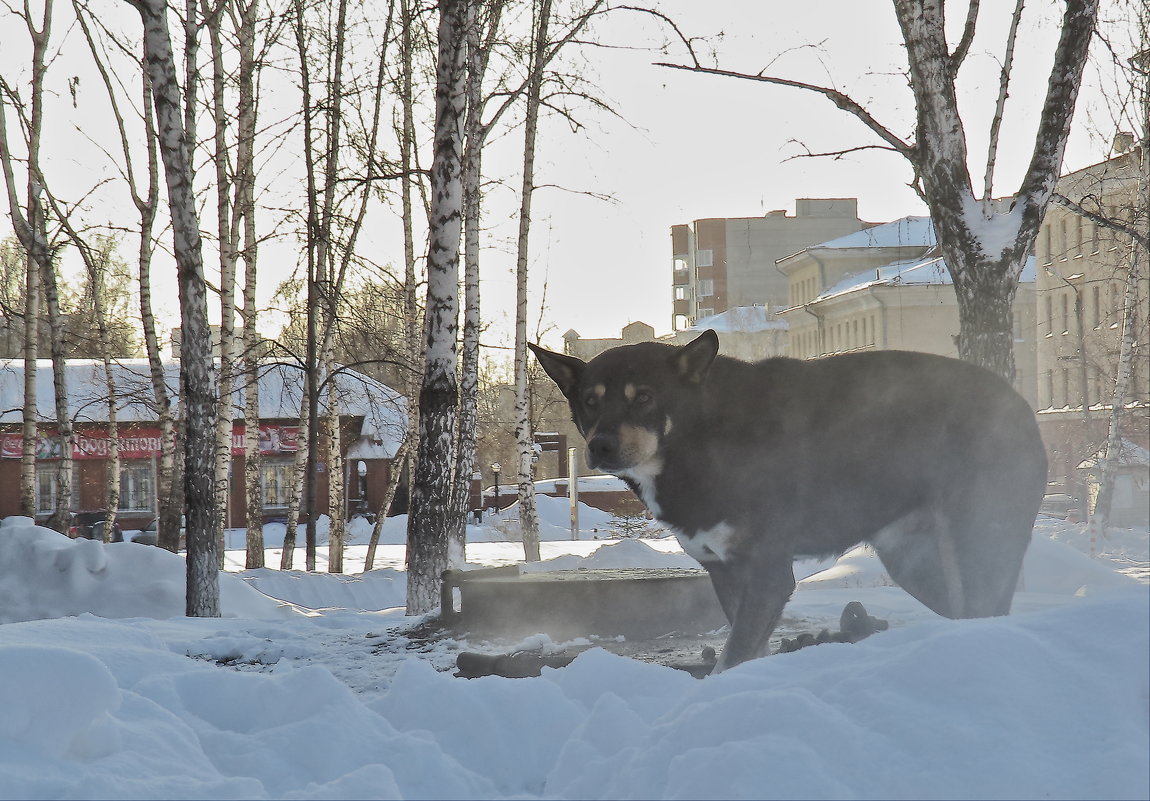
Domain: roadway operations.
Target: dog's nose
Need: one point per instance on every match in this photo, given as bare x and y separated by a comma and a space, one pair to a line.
602, 449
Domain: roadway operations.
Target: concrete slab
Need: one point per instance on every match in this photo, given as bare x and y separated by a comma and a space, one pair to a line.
635, 603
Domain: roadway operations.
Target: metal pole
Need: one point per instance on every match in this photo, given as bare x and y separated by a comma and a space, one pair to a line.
573, 490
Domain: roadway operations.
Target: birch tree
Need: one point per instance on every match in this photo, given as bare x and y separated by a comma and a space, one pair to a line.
431, 515
1129, 224
143, 185
227, 234
31, 230
246, 209
197, 391
524, 436
985, 249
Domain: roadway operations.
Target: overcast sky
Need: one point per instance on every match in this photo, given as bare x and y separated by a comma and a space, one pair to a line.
685, 147
705, 146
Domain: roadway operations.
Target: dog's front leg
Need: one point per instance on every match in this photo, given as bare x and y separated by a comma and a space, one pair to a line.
762, 586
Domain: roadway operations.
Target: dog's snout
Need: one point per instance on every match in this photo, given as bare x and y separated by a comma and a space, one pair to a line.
602, 449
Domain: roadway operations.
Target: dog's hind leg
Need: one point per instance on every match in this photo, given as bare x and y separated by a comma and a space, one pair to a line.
921, 555
960, 567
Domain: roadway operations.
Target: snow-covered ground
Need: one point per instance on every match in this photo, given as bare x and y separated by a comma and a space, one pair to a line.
316, 685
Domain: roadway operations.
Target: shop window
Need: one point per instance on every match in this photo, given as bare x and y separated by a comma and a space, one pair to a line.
137, 486
275, 479
46, 487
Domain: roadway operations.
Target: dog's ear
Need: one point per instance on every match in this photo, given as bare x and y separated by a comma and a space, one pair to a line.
694, 359
563, 369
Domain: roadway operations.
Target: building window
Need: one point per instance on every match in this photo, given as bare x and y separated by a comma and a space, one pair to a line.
1049, 315
1096, 301
704, 313
706, 287
682, 292
1065, 313
681, 322
275, 479
704, 258
137, 486
46, 487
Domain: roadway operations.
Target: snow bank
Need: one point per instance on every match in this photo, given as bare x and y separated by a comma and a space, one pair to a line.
44, 574
1042, 704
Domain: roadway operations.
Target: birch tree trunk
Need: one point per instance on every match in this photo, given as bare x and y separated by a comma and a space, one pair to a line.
227, 228
430, 519
32, 233
295, 491
245, 193
203, 599
524, 436
469, 361
1134, 278
336, 490
388, 496
60, 518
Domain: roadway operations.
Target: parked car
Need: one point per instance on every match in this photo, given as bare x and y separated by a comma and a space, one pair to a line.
90, 524
1060, 505
150, 534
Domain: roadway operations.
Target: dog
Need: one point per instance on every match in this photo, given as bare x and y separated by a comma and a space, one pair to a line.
935, 462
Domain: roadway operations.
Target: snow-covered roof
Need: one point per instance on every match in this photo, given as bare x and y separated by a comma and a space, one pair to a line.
742, 319
280, 388
905, 232
905, 273
1130, 454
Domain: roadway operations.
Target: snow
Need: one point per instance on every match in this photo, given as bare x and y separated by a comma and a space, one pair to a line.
913, 231
740, 319
932, 271
315, 686
280, 391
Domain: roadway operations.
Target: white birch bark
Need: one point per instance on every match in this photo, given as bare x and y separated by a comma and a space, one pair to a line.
429, 521
395, 474
524, 435
227, 231
30, 230
1132, 304
196, 356
245, 193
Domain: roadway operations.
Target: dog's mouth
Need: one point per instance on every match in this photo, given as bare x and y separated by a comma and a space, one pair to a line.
627, 448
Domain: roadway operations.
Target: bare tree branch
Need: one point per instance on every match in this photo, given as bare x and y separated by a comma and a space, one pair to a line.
841, 100
963, 47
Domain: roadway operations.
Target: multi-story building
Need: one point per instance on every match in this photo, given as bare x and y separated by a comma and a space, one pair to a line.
1084, 268
887, 288
722, 263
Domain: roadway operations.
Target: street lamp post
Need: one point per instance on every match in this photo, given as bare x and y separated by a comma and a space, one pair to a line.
495, 468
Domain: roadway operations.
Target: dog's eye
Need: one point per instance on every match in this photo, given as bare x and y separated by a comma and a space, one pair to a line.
642, 397
590, 400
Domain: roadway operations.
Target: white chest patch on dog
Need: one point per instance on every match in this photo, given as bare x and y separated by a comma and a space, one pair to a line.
644, 476
710, 545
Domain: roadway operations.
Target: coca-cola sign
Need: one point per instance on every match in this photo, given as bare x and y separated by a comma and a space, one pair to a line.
140, 443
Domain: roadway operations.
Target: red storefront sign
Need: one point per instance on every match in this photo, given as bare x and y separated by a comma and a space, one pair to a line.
142, 443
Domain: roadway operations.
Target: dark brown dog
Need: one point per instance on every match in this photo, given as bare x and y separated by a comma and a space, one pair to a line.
938, 464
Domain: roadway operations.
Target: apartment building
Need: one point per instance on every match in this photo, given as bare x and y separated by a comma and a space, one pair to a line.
887, 288
1083, 270
723, 263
